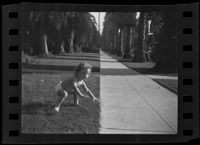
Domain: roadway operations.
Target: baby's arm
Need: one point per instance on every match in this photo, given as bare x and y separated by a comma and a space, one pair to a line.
89, 92
77, 90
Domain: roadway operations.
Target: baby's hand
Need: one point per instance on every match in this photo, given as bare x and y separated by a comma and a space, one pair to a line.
96, 99
86, 96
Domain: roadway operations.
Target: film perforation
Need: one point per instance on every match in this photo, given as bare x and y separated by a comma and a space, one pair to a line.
14, 99
13, 82
13, 65
187, 14
187, 31
13, 48
188, 132
187, 65
187, 98
13, 116
187, 48
13, 31
13, 133
13, 15
187, 82
187, 115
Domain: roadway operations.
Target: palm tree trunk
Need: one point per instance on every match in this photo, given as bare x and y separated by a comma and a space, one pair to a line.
115, 44
111, 46
127, 45
145, 39
131, 37
118, 42
62, 46
72, 42
131, 42
44, 45
139, 55
122, 42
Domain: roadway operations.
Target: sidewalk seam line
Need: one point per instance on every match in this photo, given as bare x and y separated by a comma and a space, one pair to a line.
168, 124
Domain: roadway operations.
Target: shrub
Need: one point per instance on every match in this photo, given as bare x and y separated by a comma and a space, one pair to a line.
26, 59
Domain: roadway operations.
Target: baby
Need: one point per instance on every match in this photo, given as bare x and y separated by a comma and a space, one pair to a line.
71, 86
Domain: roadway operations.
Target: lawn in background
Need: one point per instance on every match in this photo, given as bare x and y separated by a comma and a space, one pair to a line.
66, 62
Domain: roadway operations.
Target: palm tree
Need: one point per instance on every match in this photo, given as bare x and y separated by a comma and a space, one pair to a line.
58, 32
42, 27
87, 30
109, 32
138, 54
82, 26
119, 26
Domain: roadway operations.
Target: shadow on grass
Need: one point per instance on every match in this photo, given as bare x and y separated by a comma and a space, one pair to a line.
171, 85
47, 72
154, 71
71, 58
40, 108
54, 67
77, 55
82, 54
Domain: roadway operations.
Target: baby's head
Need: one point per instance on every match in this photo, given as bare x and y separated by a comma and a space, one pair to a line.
83, 70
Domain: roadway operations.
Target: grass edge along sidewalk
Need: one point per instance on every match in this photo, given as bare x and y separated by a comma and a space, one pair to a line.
171, 85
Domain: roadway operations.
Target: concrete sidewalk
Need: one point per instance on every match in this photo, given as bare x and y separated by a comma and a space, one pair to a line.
133, 103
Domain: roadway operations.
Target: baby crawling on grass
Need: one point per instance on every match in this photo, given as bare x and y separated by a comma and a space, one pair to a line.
71, 86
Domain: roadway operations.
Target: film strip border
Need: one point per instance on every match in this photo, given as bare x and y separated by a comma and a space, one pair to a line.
11, 72
188, 124
189, 72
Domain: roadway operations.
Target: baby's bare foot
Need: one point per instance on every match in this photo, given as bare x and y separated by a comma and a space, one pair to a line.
56, 109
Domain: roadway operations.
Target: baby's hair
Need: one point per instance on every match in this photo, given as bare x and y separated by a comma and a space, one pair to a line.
82, 66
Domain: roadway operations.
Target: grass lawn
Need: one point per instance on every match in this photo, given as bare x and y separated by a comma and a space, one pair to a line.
37, 105
66, 62
171, 85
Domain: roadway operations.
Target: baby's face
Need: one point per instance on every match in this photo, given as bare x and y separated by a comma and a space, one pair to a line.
85, 73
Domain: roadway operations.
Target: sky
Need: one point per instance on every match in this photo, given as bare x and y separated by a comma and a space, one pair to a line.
102, 15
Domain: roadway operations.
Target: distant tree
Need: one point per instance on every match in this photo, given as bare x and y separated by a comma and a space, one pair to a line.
57, 32
116, 32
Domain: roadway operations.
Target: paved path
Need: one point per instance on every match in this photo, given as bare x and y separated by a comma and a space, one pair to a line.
133, 103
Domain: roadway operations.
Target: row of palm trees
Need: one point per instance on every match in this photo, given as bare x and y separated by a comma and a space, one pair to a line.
59, 32
142, 36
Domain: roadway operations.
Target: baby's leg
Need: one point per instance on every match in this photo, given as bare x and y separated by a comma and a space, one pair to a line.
76, 98
62, 96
